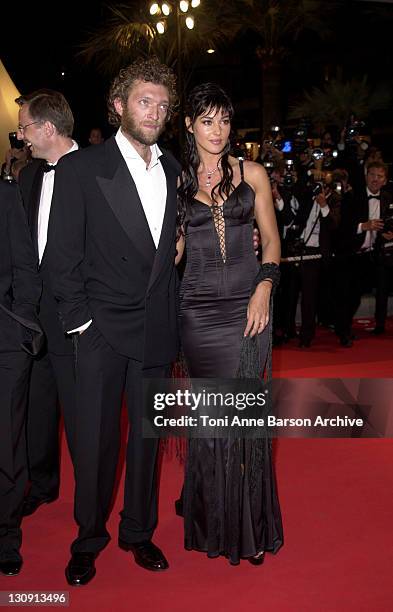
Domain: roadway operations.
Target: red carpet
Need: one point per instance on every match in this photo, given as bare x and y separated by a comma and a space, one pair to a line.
337, 505
370, 357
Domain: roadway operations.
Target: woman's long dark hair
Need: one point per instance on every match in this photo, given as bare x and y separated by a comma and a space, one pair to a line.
203, 99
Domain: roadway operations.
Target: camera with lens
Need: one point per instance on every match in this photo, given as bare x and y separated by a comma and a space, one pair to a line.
269, 167
388, 224
274, 139
14, 142
338, 187
354, 129
289, 178
317, 154
300, 136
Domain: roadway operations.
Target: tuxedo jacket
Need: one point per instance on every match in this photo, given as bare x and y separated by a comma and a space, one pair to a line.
20, 285
30, 185
103, 261
354, 210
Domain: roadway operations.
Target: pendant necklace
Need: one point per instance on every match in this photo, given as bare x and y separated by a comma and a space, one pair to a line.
209, 174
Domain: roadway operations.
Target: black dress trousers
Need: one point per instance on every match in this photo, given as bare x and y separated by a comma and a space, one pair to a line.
52, 384
14, 376
102, 377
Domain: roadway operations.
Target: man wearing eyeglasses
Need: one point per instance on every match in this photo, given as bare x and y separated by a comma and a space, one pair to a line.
45, 125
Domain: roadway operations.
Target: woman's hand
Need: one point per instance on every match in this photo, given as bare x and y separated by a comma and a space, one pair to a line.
258, 309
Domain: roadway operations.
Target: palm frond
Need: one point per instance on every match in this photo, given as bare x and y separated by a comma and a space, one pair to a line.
337, 100
130, 32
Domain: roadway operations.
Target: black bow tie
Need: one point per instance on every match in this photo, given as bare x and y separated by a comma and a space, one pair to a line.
374, 197
48, 167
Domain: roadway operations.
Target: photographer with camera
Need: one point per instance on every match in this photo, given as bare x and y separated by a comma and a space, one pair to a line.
337, 184
307, 242
364, 254
271, 148
282, 180
305, 165
352, 148
16, 158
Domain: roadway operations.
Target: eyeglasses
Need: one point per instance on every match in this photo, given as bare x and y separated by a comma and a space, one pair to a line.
21, 128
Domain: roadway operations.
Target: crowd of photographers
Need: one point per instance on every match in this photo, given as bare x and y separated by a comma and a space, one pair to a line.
334, 208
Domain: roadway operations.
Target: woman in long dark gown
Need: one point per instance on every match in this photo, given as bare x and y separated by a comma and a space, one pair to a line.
230, 504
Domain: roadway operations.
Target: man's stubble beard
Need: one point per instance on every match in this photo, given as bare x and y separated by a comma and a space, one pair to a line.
128, 126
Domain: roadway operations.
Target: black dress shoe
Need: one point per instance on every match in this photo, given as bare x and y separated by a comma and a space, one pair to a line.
11, 568
346, 342
80, 569
31, 504
303, 344
147, 555
179, 507
289, 336
378, 330
257, 560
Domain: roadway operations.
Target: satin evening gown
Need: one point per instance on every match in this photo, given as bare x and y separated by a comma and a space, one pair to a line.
230, 503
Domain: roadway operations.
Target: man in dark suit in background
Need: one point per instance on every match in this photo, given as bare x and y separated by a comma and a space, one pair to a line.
111, 253
46, 124
362, 242
20, 336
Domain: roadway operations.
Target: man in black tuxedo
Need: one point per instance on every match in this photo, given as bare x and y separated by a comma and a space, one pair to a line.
20, 336
46, 124
363, 252
111, 253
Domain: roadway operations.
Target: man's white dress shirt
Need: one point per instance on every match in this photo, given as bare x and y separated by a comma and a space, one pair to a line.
313, 225
150, 183
374, 212
45, 204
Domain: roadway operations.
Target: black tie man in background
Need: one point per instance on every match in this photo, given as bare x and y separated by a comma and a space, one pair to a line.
363, 256
46, 124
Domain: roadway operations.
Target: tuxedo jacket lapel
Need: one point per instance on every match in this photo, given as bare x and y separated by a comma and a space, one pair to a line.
122, 196
361, 210
386, 205
34, 206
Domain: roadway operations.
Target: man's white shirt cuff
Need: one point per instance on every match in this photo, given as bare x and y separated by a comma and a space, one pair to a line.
81, 328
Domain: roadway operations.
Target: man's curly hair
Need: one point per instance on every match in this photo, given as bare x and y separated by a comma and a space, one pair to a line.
149, 71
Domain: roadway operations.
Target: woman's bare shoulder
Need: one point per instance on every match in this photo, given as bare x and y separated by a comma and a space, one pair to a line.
255, 174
